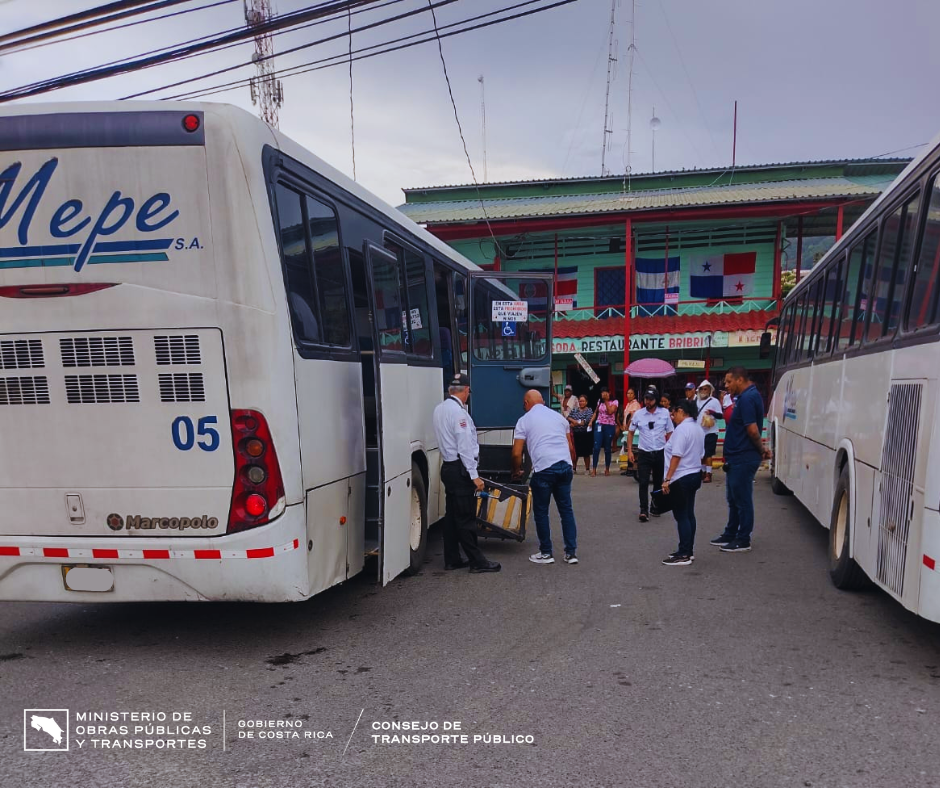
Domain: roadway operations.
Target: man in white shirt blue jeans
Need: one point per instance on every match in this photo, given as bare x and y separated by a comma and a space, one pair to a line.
655, 427
683, 456
548, 437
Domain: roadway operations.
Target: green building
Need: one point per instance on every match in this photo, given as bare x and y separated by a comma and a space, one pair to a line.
685, 264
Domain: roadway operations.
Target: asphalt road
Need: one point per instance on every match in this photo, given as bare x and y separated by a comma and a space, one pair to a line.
744, 670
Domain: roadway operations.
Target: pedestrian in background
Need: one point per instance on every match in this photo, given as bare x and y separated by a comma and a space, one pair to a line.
690, 391
744, 451
579, 419
631, 406
709, 411
665, 401
568, 401
683, 477
604, 425
654, 427
548, 438
460, 452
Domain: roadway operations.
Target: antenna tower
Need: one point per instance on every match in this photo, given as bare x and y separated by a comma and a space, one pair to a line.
612, 46
483, 115
631, 50
266, 90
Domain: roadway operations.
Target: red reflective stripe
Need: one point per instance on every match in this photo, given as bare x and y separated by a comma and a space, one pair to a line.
156, 553
55, 552
296, 543
929, 562
261, 552
9, 550
208, 553
104, 553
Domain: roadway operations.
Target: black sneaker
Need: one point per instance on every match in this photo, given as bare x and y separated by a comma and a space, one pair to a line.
571, 558
673, 555
644, 517
721, 541
737, 546
678, 560
654, 513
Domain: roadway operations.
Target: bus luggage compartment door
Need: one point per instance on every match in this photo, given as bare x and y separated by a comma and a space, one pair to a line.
510, 344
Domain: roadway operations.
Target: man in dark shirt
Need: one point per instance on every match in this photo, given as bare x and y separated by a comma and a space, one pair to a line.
744, 450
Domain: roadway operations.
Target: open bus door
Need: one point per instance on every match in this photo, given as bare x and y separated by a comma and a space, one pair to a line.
388, 448
510, 344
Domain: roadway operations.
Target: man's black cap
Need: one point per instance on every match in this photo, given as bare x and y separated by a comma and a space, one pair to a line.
459, 380
651, 392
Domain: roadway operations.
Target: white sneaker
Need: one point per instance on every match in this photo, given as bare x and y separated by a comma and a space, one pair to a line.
542, 558
571, 558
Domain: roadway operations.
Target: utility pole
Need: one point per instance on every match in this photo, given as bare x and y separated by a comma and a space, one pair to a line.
266, 90
631, 50
611, 59
483, 115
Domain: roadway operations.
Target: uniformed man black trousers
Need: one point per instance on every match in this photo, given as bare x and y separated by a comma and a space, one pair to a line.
649, 463
460, 525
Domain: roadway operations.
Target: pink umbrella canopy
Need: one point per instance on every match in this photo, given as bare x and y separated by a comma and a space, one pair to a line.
650, 368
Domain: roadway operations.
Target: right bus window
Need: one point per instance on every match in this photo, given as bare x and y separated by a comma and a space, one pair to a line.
852, 267
867, 251
829, 308
922, 311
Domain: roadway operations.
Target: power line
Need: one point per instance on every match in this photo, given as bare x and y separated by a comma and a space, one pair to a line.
63, 26
19, 49
322, 63
290, 51
453, 103
95, 74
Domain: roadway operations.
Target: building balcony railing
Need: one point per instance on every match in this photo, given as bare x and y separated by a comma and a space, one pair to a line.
692, 308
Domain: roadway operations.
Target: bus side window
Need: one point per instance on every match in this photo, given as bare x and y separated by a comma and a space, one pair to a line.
812, 321
443, 277
782, 334
416, 319
829, 308
866, 250
298, 276
462, 339
386, 284
796, 344
904, 261
922, 311
330, 272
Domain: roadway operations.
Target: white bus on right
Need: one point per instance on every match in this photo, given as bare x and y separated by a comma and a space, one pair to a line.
854, 420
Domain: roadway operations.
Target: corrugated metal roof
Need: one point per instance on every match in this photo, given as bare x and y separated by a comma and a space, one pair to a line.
668, 173
459, 211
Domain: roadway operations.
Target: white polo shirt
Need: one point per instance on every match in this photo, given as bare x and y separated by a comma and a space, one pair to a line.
688, 443
545, 433
652, 438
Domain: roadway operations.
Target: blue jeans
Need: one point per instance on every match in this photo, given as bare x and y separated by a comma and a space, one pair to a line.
605, 437
556, 481
682, 496
739, 489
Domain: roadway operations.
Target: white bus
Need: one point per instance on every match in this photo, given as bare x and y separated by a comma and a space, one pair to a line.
854, 418
219, 358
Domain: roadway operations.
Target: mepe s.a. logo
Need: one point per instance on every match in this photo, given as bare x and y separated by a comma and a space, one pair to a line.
78, 229
46, 730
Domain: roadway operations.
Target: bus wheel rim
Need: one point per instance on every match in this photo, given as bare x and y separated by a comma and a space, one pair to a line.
416, 520
842, 518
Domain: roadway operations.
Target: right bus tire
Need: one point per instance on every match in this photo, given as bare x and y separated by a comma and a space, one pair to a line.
844, 572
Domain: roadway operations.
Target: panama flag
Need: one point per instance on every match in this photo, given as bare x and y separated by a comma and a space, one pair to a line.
723, 275
653, 283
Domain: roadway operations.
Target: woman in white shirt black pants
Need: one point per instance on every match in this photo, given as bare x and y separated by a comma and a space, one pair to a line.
683, 477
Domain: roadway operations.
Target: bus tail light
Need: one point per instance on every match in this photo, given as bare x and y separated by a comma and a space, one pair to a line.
258, 492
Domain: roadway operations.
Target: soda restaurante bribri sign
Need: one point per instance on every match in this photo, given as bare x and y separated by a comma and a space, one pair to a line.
640, 342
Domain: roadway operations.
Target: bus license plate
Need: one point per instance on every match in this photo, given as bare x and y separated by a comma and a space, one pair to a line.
88, 578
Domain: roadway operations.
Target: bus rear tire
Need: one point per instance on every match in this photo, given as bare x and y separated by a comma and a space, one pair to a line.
418, 530
844, 572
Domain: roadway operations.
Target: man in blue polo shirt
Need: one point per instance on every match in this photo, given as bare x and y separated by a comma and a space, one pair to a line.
744, 450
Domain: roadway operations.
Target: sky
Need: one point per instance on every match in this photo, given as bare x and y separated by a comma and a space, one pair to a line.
814, 79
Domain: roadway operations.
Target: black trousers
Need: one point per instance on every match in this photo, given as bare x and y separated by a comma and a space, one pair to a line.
460, 523
649, 462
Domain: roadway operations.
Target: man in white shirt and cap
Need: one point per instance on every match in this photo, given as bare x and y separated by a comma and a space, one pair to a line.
709, 411
547, 435
569, 401
460, 452
654, 426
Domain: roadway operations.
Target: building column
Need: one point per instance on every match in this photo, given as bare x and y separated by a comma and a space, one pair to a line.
627, 299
